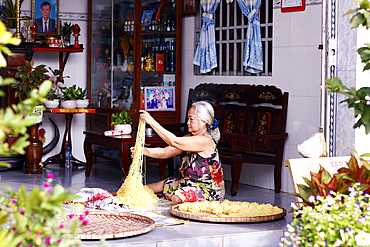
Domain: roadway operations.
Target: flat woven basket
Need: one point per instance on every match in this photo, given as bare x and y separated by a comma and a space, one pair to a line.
203, 216
111, 224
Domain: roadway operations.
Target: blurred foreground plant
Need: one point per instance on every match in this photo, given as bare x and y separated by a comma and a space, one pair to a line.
334, 220
33, 219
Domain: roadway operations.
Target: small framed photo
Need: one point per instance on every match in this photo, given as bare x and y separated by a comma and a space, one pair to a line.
293, 5
160, 98
46, 15
190, 7
147, 17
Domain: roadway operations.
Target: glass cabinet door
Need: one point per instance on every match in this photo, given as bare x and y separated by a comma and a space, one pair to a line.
158, 56
134, 57
101, 42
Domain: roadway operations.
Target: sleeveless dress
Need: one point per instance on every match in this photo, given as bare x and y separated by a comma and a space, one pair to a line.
202, 178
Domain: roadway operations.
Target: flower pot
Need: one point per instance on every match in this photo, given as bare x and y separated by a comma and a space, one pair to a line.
82, 103
68, 104
51, 104
126, 129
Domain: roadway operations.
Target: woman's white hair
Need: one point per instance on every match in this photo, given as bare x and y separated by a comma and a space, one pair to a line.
205, 112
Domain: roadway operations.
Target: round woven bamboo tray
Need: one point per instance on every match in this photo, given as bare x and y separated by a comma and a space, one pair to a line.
203, 216
113, 224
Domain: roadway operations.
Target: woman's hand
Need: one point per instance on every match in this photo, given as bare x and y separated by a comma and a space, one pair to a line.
146, 117
132, 150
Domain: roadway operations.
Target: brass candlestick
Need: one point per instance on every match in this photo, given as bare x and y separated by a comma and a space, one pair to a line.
18, 18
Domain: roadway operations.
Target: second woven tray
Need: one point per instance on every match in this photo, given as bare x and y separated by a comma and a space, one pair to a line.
202, 216
114, 224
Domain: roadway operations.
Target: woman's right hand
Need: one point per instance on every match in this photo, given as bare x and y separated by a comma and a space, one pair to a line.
146, 117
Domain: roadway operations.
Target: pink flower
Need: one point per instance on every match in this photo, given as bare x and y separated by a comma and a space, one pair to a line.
82, 217
71, 216
21, 211
32, 214
61, 226
86, 222
46, 184
14, 200
50, 190
50, 175
87, 212
47, 240
59, 240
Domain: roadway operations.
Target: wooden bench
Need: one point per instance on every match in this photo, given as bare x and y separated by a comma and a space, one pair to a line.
252, 120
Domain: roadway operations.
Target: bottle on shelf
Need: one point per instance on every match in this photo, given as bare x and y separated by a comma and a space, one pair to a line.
159, 60
173, 27
68, 158
167, 59
173, 57
168, 25
154, 53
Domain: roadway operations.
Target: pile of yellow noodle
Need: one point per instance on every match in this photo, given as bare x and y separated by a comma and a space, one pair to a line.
231, 208
132, 191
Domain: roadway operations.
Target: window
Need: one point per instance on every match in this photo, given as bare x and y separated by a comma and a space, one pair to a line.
231, 31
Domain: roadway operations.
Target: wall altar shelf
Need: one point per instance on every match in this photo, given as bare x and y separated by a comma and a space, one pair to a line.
62, 59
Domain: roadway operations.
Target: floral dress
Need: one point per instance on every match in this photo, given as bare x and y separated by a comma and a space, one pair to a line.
202, 178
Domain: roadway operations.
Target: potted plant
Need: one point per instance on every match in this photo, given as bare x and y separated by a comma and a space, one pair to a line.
53, 101
122, 122
81, 102
8, 14
69, 98
66, 32
28, 78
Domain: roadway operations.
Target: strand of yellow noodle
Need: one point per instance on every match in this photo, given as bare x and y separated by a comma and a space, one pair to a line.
132, 191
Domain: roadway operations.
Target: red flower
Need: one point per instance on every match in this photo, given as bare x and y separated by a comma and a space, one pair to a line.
217, 175
189, 196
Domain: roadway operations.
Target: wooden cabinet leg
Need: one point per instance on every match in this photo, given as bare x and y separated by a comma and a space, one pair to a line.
33, 152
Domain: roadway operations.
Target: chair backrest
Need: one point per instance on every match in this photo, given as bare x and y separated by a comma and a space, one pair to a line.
245, 109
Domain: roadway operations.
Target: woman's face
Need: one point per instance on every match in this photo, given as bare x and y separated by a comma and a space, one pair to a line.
195, 125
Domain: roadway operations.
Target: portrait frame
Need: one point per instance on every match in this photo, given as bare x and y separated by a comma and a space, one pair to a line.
54, 15
157, 100
292, 6
189, 7
147, 17
124, 6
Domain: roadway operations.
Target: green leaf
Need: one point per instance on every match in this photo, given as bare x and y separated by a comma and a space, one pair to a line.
357, 20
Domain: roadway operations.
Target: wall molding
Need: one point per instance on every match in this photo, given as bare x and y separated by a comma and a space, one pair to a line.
277, 3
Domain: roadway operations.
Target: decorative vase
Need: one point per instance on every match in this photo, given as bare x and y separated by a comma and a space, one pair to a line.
126, 129
82, 103
51, 104
68, 104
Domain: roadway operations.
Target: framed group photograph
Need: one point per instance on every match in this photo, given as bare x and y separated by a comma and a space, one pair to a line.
160, 98
190, 7
45, 13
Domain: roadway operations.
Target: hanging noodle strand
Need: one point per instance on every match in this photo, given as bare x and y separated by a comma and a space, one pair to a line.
132, 192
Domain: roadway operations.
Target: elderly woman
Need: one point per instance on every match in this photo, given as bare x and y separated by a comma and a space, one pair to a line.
201, 170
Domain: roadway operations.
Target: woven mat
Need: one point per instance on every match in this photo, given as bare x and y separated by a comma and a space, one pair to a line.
115, 224
202, 216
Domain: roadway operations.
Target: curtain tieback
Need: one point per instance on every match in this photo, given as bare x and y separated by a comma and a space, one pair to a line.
210, 16
253, 15
207, 21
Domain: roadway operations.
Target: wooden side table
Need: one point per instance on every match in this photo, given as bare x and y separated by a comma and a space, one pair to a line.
67, 142
123, 144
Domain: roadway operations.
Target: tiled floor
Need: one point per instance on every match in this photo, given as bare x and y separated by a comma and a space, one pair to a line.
107, 175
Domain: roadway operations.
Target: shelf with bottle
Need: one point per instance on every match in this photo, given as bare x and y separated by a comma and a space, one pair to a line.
158, 56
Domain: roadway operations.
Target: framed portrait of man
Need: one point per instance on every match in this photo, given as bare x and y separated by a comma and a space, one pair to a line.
45, 13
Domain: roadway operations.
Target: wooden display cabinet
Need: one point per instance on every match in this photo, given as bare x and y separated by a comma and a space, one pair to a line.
134, 51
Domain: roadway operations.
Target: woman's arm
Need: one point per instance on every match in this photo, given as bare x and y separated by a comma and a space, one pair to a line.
197, 144
159, 153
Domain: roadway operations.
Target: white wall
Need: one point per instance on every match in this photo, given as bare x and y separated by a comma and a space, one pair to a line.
76, 68
296, 69
362, 80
